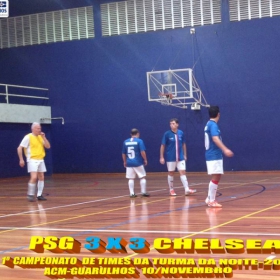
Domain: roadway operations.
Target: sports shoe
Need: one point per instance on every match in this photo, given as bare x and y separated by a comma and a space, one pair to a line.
41, 197
214, 204
145, 194
190, 191
207, 200
31, 198
172, 192
133, 195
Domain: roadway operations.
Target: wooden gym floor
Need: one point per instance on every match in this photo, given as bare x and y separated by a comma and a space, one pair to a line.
99, 205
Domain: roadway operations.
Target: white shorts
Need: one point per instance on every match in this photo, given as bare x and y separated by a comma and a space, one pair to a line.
171, 165
215, 166
132, 171
36, 166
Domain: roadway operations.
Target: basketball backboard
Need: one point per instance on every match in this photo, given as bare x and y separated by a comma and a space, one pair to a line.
179, 84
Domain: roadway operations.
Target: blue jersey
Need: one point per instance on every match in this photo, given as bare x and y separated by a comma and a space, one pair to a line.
213, 152
132, 148
173, 143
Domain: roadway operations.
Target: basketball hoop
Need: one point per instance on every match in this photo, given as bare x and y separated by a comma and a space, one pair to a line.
177, 88
165, 98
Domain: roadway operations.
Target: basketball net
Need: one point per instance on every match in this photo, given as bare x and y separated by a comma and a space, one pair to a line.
165, 98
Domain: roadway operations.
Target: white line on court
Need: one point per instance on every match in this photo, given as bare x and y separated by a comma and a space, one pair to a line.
272, 182
143, 231
75, 204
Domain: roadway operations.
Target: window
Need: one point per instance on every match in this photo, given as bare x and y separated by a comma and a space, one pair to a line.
50, 27
250, 9
135, 16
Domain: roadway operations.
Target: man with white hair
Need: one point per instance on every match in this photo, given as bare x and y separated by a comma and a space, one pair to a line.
34, 145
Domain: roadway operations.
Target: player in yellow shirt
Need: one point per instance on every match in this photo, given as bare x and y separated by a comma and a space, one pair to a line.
34, 145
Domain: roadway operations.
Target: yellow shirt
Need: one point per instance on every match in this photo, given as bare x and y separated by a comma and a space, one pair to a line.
33, 147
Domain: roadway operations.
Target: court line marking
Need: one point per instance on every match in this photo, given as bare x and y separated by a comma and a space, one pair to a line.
61, 206
205, 231
79, 203
242, 184
143, 231
74, 204
84, 232
103, 199
111, 210
218, 226
102, 212
87, 215
263, 218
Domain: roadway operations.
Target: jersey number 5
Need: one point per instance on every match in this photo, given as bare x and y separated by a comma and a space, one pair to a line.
131, 152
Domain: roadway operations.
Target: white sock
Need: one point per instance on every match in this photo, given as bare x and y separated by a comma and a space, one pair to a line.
40, 186
170, 181
143, 183
208, 196
131, 186
212, 191
31, 189
184, 181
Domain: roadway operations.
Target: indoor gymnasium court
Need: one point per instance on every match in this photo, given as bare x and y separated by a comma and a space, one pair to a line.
82, 206
79, 77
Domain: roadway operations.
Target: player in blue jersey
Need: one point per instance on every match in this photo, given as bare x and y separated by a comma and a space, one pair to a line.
174, 147
214, 154
134, 159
